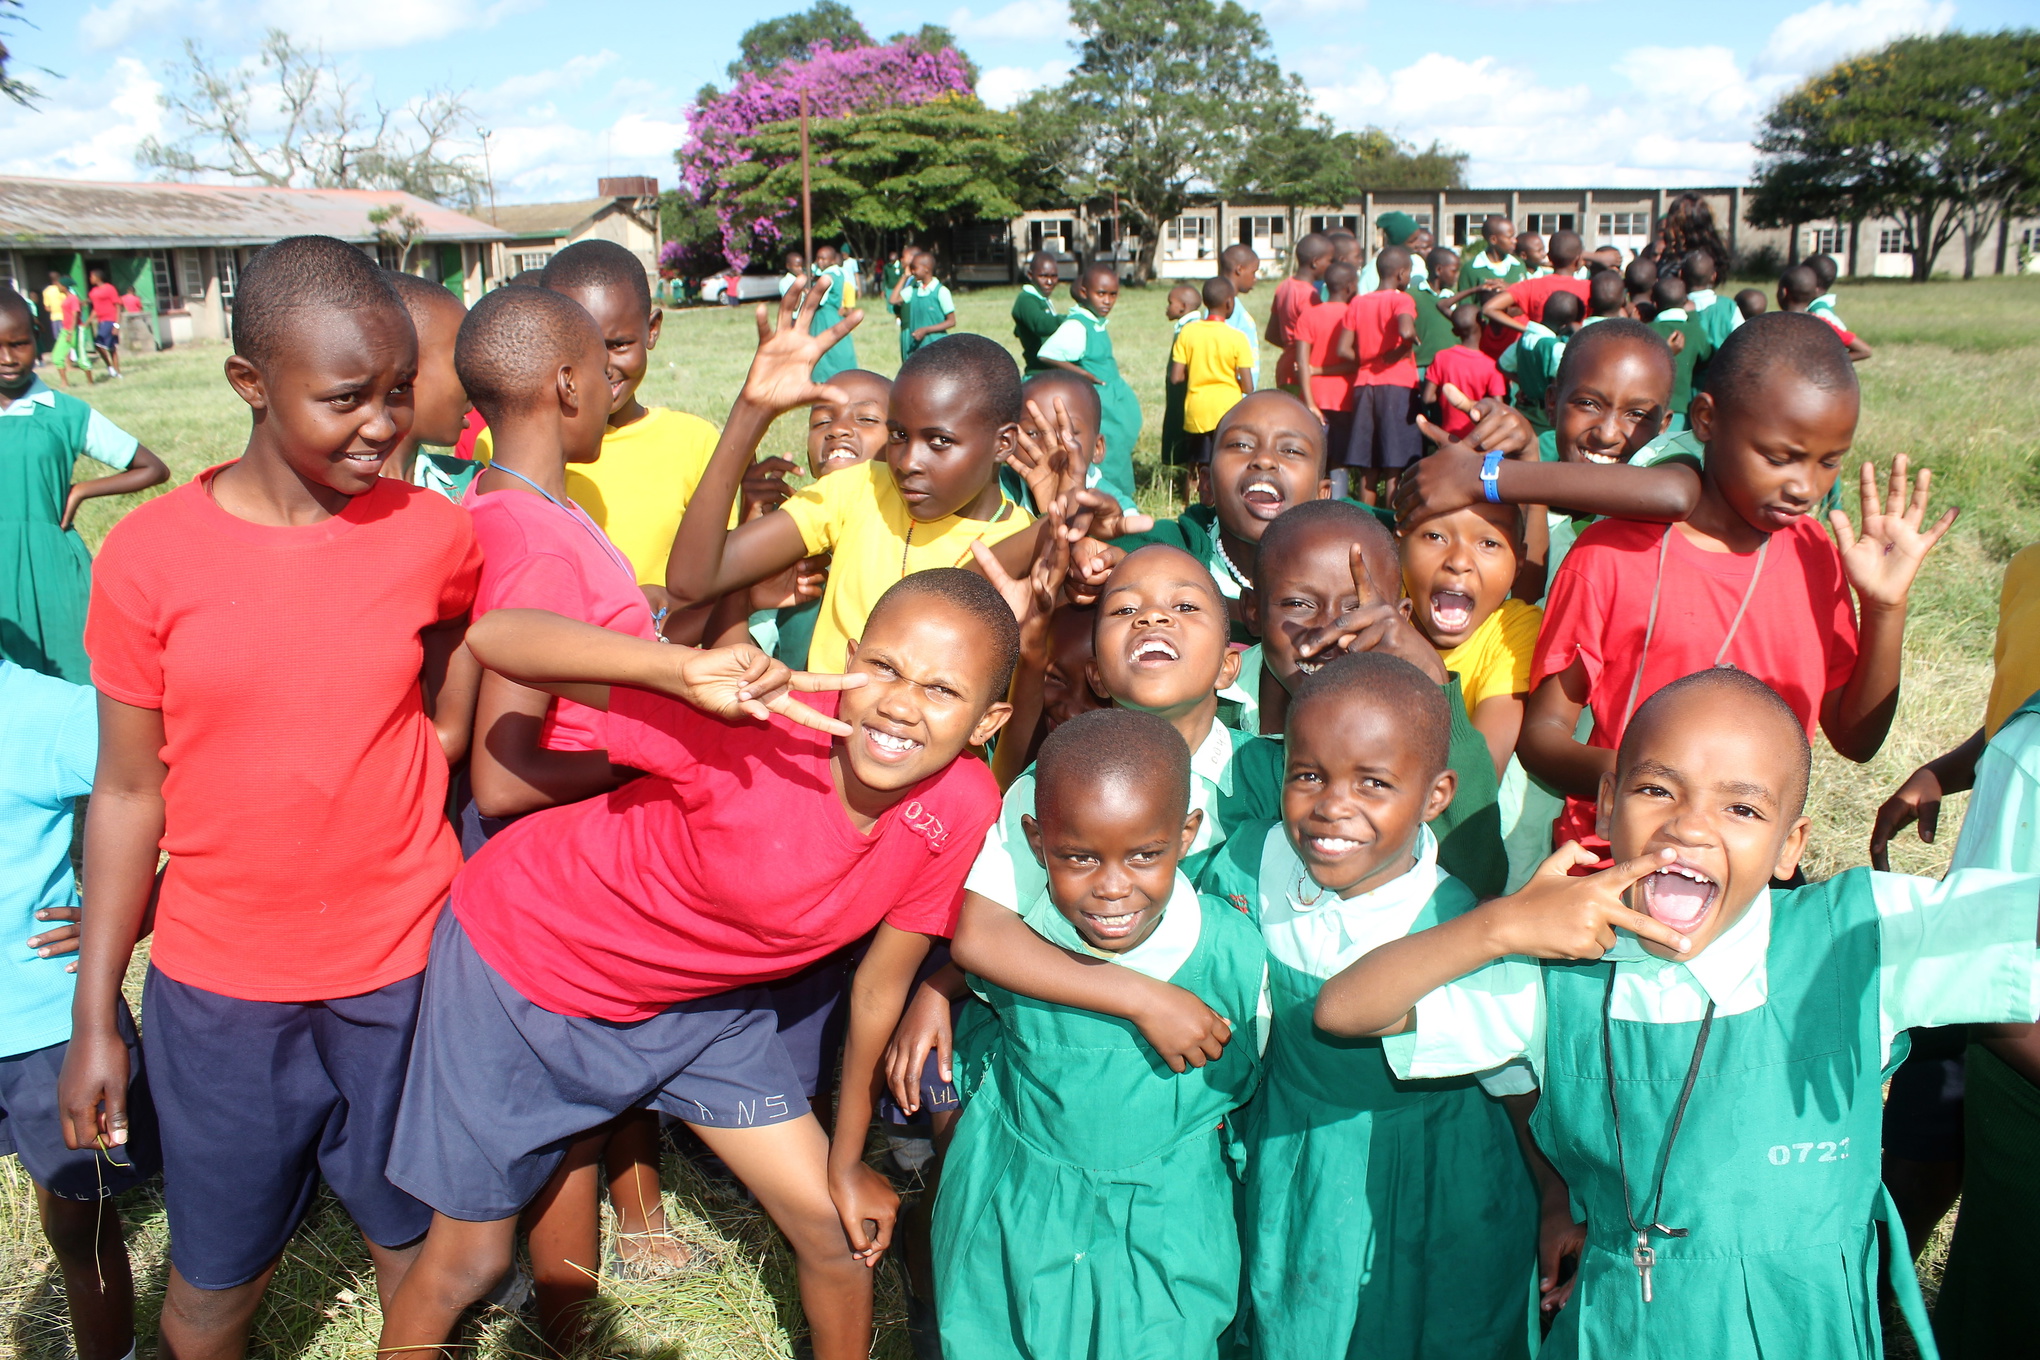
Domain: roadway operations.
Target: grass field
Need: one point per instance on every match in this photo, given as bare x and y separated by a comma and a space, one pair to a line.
1951, 386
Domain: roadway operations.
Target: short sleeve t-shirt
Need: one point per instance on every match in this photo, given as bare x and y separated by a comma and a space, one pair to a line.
858, 516
1320, 326
731, 863
1798, 635
305, 801
537, 555
1495, 661
1293, 297
638, 489
105, 299
49, 743
1474, 374
1532, 294
1212, 354
1372, 319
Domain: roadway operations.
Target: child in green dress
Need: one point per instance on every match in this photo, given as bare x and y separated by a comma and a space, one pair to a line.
1082, 345
926, 311
42, 433
1383, 1217
1087, 1206
1711, 1049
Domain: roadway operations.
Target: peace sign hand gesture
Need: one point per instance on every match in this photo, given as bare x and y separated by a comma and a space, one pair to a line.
1558, 916
734, 682
1883, 560
1373, 624
782, 371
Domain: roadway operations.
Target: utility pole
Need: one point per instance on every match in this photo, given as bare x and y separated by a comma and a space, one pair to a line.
807, 208
489, 173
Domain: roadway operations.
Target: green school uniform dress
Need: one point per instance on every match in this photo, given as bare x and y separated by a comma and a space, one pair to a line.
1689, 360
1034, 320
1434, 328
1773, 1175
48, 582
920, 307
1717, 315
1385, 1219
1531, 362
841, 356
1087, 1206
1082, 340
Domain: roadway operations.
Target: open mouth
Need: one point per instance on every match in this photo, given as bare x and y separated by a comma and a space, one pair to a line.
1262, 497
1113, 927
888, 747
1154, 651
1680, 896
366, 460
1603, 458
841, 456
1451, 610
1312, 665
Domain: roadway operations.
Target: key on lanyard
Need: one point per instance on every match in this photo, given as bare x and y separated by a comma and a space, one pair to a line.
1645, 1258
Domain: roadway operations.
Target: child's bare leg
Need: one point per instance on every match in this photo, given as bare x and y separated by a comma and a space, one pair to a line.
391, 1265
458, 1264
98, 1284
632, 1164
208, 1324
565, 1227
787, 1167
1388, 481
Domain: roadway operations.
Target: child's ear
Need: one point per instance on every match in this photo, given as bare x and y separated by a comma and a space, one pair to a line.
1031, 829
1228, 669
849, 652
1250, 609
1006, 440
653, 327
1700, 416
1324, 489
246, 380
1794, 847
1096, 681
1604, 808
987, 726
567, 389
1440, 796
1098, 449
1190, 827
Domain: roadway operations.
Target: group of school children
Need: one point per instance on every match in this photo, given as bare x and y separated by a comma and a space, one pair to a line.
1313, 925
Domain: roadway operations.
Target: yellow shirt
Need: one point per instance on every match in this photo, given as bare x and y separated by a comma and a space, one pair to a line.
1495, 660
638, 489
2018, 639
857, 515
1212, 353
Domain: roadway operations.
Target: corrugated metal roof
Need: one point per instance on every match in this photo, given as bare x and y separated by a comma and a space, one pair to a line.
83, 215
546, 219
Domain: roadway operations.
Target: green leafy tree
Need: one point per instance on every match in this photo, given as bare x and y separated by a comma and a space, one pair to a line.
12, 86
1167, 98
1308, 162
792, 36
949, 162
933, 38
1942, 133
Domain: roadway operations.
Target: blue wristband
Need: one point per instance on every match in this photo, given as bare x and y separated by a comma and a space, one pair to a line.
1490, 476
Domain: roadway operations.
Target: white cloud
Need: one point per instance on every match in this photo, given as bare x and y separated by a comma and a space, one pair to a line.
528, 90
83, 129
341, 25
1002, 87
1015, 21
548, 161
1815, 38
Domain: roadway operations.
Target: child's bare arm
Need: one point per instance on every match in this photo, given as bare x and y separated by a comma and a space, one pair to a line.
1178, 373
1497, 310
1560, 1238
449, 682
1079, 370
878, 994
1499, 720
123, 828
1553, 916
947, 323
1547, 746
144, 471
997, 945
1919, 798
511, 771
1858, 348
1245, 378
1449, 480
1430, 393
1881, 563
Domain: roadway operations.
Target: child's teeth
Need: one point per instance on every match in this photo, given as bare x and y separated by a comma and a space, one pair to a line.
1333, 845
888, 742
1601, 458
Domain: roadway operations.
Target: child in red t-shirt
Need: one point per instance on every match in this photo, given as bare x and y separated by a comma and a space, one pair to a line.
1294, 296
1383, 326
748, 851
1461, 376
1747, 579
1315, 343
276, 647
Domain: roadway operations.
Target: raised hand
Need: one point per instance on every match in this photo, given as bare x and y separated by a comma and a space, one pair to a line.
1558, 916
1048, 455
1883, 559
1095, 515
782, 371
732, 682
1373, 624
1445, 480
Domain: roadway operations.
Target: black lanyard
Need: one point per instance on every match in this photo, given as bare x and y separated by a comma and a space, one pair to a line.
1643, 1257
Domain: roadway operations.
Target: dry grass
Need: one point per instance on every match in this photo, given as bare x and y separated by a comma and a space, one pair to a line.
1951, 386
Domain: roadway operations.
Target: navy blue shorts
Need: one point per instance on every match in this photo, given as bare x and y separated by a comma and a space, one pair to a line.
32, 1127
813, 1016
937, 1096
1385, 435
499, 1086
1338, 436
259, 1100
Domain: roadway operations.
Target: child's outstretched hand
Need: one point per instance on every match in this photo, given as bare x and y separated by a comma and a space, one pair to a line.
1048, 455
1032, 597
1558, 916
1883, 560
782, 371
1448, 478
729, 682
1094, 514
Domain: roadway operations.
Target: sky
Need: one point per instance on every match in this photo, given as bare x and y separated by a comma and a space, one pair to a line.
1588, 93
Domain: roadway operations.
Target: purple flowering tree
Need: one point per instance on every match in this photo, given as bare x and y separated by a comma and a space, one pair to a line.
838, 83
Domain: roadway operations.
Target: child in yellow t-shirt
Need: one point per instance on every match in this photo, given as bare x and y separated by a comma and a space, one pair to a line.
1458, 570
1215, 363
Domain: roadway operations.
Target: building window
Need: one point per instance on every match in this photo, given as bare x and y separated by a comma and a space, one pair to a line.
1254, 230
1823, 240
230, 273
1346, 222
1057, 235
1546, 223
1188, 237
159, 269
2029, 239
1891, 241
193, 270
529, 259
1615, 224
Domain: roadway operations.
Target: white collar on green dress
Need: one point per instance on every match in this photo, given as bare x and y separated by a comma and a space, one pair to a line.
1160, 956
1700, 299
37, 393
1730, 972
1671, 314
1317, 932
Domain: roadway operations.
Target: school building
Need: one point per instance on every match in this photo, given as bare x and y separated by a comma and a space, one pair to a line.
181, 247
1627, 218
625, 210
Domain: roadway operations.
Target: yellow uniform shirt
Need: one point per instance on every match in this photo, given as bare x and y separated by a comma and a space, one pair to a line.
857, 515
1495, 660
1212, 353
638, 489
2018, 639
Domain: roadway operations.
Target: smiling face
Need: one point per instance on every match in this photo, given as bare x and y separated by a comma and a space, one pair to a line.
334, 401
927, 694
1531, 250
1615, 404
1268, 454
1160, 645
439, 405
845, 433
629, 334
1720, 780
1111, 858
944, 447
1302, 594
1356, 790
1458, 569
1773, 452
